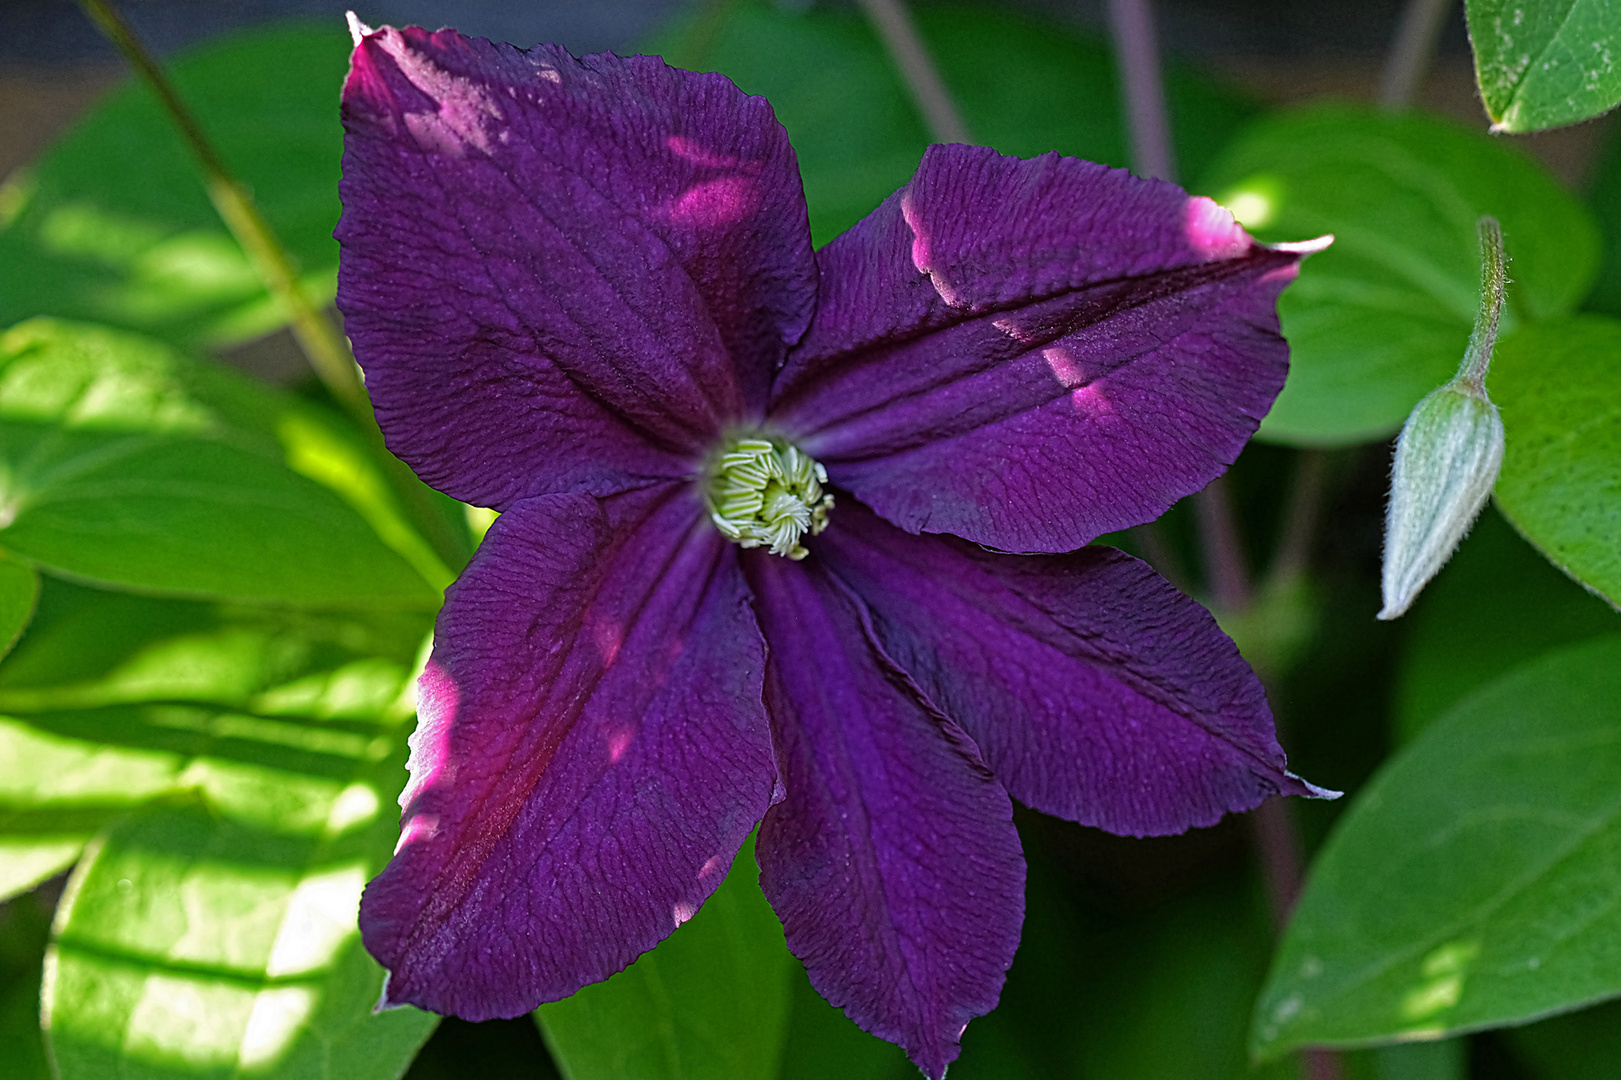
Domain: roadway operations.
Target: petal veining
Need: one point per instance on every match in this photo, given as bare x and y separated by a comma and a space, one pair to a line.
591, 754
562, 273
1031, 353
1094, 689
892, 859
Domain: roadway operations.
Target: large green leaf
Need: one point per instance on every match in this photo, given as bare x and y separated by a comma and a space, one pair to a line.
1559, 388
856, 131
711, 1001
1495, 605
1543, 63
109, 700
1382, 317
113, 224
19, 586
124, 462
240, 767
1472, 883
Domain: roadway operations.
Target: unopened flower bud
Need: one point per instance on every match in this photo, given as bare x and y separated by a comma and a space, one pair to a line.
1446, 463
1448, 454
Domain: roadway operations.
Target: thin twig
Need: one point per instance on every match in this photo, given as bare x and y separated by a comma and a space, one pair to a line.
322, 342
1225, 565
1411, 52
906, 49
1136, 51
1300, 517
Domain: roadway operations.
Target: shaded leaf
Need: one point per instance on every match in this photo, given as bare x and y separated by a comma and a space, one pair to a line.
1472, 882
854, 127
24, 926
1543, 63
1382, 317
113, 225
1495, 605
712, 1001
126, 463
1559, 388
1584, 1045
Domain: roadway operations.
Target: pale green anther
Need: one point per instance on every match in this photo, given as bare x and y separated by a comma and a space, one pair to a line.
767, 493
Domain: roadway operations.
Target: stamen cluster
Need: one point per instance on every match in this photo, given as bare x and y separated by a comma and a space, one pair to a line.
763, 491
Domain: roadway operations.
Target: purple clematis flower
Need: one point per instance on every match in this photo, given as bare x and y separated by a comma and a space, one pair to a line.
752, 565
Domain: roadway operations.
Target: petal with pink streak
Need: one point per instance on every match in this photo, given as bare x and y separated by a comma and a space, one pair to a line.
562, 274
591, 753
892, 859
1031, 353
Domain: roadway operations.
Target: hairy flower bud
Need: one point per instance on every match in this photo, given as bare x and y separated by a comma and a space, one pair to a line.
1448, 454
1446, 463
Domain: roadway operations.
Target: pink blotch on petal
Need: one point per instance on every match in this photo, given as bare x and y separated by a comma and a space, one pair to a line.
923, 253
715, 203
437, 700
683, 147
1212, 231
618, 743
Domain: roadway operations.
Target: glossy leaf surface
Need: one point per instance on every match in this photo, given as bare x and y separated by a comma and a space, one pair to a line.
19, 587
1497, 604
1543, 63
712, 1001
126, 463
1559, 389
1382, 317
1472, 883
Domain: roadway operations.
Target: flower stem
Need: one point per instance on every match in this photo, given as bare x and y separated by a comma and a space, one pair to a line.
907, 51
1137, 54
1493, 286
321, 341
1411, 52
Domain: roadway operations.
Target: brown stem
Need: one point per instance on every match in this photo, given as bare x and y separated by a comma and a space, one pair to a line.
1411, 52
906, 49
1137, 53
1300, 518
1225, 569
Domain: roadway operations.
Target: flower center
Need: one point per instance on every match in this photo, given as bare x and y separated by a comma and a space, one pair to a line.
765, 491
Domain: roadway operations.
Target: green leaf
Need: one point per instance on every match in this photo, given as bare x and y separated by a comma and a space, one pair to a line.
1472, 883
1382, 317
126, 463
1544, 63
1583, 1045
853, 124
24, 926
113, 224
19, 588
113, 700
711, 1001
1559, 389
1497, 604
191, 945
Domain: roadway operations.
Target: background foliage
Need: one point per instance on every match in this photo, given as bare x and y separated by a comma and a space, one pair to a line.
214, 595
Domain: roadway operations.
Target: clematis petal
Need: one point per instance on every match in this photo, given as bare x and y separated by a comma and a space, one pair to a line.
562, 273
592, 752
1031, 353
1094, 690
892, 859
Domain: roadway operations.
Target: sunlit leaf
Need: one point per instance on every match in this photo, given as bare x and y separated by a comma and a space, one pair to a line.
711, 1001
1495, 605
1472, 883
854, 126
126, 463
113, 700
113, 224
19, 586
1559, 388
1543, 63
1382, 317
